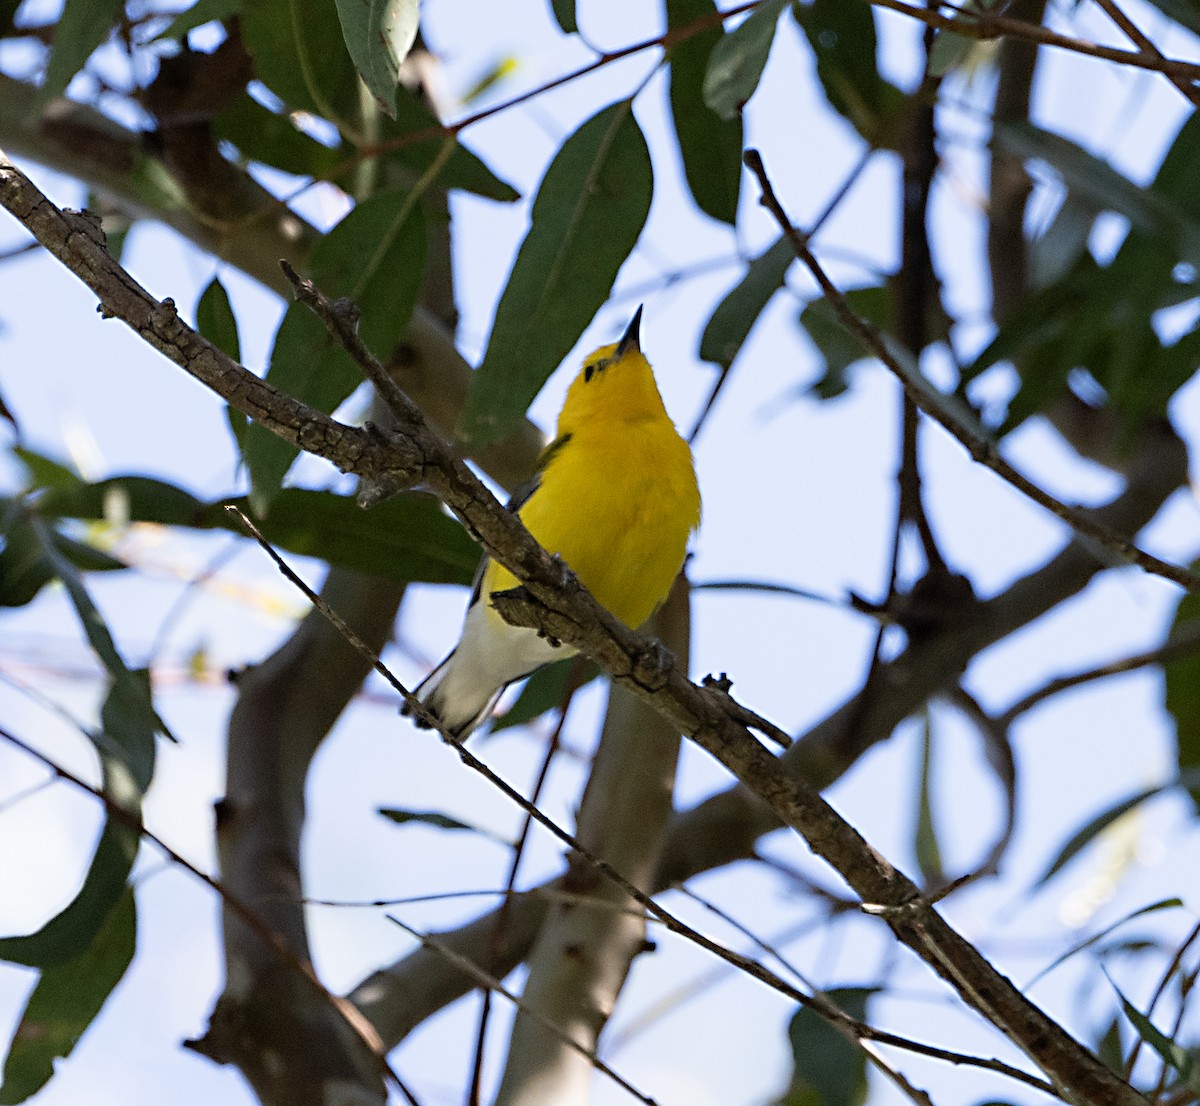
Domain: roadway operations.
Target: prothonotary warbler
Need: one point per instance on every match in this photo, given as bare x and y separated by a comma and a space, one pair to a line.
615, 496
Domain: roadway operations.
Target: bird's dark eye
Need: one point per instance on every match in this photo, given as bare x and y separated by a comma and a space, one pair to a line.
587, 372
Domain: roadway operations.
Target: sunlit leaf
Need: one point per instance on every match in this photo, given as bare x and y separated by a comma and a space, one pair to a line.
588, 214
711, 146
379, 35
64, 1003
737, 61
737, 313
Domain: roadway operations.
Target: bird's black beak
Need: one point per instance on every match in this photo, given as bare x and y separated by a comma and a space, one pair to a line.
631, 339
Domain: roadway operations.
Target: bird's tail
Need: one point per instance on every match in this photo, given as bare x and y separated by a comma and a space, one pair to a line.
457, 701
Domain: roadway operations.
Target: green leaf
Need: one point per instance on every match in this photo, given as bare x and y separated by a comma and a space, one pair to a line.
200, 13
564, 15
545, 690
842, 36
273, 139
738, 60
64, 1003
737, 313
1189, 779
131, 689
1091, 177
72, 930
45, 472
1185, 12
588, 214
437, 821
925, 840
80, 30
828, 1069
300, 55
948, 51
379, 35
406, 538
711, 147
216, 321
24, 566
376, 256
1181, 695
838, 347
1171, 1053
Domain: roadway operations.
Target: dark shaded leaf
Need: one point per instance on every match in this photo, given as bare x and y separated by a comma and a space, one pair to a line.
376, 256
842, 36
1185, 12
711, 147
271, 138
828, 1069
840, 348
737, 313
587, 217
200, 13
545, 690
1110, 1048
1173, 1054
737, 61
1181, 697
379, 35
216, 321
64, 1003
72, 930
436, 820
564, 15
24, 566
80, 30
407, 538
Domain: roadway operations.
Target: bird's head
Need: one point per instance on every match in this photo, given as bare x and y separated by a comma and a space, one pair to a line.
615, 384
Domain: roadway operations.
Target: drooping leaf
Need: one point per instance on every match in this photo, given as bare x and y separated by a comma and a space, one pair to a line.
545, 690
24, 566
587, 217
131, 689
711, 147
376, 256
64, 1003
926, 847
1172, 1053
200, 13
827, 1069
842, 36
1181, 695
82, 27
737, 313
738, 60
564, 15
379, 35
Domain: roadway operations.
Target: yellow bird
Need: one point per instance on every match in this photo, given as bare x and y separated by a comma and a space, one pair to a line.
615, 496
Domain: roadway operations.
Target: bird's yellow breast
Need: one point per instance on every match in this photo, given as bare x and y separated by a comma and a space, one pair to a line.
618, 504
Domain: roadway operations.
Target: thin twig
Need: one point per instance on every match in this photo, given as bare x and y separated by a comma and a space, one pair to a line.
1135, 35
980, 447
